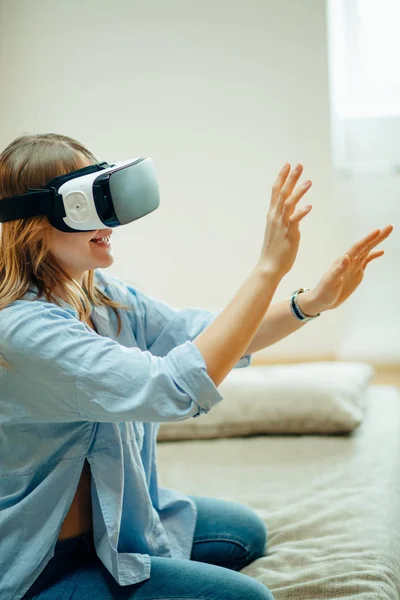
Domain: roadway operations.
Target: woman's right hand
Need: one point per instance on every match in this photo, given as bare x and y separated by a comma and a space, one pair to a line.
282, 234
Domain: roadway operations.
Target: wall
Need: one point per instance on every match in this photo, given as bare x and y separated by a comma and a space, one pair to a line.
220, 94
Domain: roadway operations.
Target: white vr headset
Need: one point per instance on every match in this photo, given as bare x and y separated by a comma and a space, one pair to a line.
94, 197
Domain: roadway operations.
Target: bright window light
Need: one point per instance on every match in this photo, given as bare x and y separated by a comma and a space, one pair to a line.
365, 52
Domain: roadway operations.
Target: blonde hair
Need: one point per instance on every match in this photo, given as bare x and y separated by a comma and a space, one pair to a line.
31, 161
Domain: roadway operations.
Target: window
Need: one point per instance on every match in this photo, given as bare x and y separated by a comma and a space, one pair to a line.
365, 47
364, 54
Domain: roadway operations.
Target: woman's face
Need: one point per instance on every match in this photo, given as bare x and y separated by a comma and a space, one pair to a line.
77, 253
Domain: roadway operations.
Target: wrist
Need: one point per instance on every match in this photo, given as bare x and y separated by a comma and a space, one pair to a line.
309, 304
269, 272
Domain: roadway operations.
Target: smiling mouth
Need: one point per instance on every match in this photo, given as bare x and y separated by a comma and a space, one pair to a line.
104, 241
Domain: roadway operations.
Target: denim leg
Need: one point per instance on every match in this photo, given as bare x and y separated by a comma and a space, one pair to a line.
227, 534
170, 579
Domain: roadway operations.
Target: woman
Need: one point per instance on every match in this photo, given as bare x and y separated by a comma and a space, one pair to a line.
91, 366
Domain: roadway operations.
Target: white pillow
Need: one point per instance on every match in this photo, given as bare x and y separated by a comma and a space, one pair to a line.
320, 397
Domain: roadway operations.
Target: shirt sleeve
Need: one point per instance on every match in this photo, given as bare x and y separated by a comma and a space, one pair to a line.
64, 371
165, 327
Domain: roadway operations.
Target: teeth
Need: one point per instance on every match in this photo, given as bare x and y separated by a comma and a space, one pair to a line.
103, 239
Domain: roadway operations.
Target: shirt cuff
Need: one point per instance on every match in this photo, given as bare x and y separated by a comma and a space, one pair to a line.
189, 370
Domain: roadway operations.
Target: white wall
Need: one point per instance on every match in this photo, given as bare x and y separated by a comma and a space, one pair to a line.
220, 94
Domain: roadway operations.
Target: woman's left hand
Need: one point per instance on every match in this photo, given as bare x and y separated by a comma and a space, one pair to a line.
346, 272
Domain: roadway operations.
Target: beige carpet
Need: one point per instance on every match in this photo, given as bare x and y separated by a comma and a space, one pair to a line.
331, 503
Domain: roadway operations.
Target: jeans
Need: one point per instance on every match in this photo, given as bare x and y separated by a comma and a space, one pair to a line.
228, 536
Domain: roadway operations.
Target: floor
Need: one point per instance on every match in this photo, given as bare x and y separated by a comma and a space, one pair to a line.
386, 374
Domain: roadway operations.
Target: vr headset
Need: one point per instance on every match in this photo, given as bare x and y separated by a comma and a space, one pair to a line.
94, 197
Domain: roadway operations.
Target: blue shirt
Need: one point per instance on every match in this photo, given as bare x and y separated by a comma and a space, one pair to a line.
74, 394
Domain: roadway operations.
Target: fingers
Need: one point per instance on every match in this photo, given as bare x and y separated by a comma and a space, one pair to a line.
372, 256
343, 262
279, 181
290, 204
283, 200
364, 246
384, 233
290, 183
300, 214
284, 186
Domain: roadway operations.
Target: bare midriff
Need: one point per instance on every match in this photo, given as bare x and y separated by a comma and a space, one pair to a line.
79, 517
